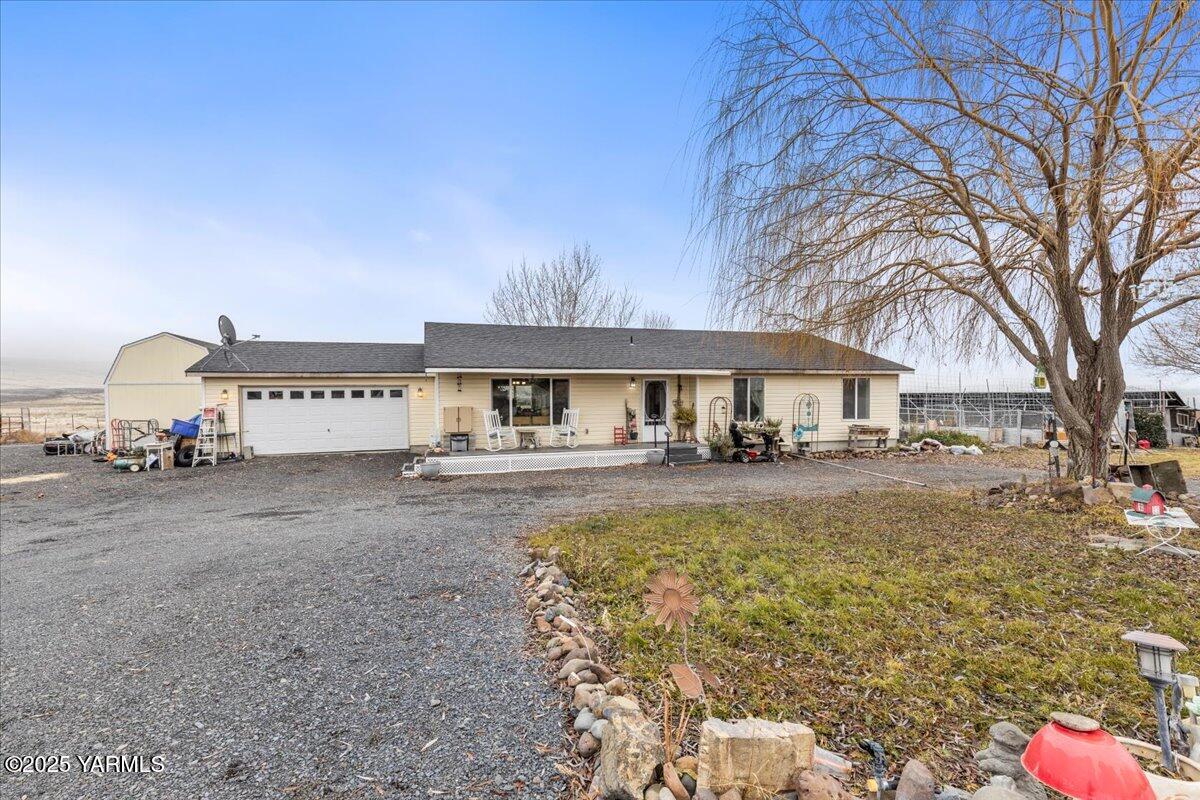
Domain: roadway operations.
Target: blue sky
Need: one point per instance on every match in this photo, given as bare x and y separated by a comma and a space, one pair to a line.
336, 171
343, 172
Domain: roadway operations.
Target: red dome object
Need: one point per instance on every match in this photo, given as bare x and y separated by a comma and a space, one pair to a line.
1084, 762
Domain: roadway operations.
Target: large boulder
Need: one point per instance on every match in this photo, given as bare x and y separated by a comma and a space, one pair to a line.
756, 756
1003, 757
630, 753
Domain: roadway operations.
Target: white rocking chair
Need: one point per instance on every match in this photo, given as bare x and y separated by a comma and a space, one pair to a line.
568, 431
497, 433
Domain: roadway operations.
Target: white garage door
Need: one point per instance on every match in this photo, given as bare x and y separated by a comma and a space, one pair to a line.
324, 419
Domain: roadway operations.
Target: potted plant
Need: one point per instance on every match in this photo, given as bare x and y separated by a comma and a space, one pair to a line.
684, 418
720, 445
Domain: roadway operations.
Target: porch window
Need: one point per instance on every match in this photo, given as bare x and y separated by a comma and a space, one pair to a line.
748, 402
856, 398
530, 401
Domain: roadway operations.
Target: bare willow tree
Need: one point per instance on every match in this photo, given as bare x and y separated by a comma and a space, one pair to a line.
657, 319
1172, 346
569, 291
962, 177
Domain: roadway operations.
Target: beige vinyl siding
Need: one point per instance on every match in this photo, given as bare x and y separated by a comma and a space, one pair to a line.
148, 380
781, 389
420, 398
599, 398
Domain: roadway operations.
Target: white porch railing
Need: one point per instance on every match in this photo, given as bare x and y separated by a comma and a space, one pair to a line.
525, 461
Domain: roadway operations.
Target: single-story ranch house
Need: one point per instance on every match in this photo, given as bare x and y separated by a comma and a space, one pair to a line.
309, 397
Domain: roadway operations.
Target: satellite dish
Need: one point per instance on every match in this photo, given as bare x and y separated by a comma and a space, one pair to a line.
228, 332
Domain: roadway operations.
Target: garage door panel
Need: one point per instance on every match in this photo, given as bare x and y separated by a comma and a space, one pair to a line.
326, 424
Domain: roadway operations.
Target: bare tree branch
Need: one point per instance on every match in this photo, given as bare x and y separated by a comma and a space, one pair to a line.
568, 291
961, 177
1174, 347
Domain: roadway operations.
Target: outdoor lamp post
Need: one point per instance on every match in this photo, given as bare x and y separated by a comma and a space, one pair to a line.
1156, 663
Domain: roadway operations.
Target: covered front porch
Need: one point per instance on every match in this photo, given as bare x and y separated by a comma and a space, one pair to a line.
616, 411
553, 458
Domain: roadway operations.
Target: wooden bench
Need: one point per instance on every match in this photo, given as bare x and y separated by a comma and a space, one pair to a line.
878, 433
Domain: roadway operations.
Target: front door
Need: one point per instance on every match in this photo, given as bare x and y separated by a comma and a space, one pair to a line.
654, 411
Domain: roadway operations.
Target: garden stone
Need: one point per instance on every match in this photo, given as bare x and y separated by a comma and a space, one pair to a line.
996, 793
603, 673
686, 764
1097, 496
705, 794
732, 794
554, 653
587, 745
652, 791
598, 728
1002, 757
757, 754
587, 676
580, 653
561, 623
672, 782
614, 706
543, 626
811, 785
953, 793
666, 794
532, 604
630, 753
583, 695
572, 666
689, 783
1122, 492
574, 680
584, 721
552, 554
786, 796
615, 686
916, 782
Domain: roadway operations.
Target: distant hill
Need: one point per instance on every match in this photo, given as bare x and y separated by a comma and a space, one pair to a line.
29, 381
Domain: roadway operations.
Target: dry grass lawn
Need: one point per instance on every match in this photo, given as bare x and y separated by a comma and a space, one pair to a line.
912, 617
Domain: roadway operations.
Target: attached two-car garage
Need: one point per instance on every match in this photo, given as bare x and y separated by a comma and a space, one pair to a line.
324, 419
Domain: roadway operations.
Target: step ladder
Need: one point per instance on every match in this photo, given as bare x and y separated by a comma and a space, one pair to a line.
206, 439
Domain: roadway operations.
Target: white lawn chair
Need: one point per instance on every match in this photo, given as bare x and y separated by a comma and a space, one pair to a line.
568, 431
497, 433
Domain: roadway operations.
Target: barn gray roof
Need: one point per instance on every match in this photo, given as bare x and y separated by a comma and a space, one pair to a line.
260, 356
466, 346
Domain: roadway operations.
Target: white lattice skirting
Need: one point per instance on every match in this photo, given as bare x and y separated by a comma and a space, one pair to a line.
537, 462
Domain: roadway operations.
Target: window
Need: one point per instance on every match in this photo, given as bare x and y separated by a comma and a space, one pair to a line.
274, 395
337, 394
502, 399
356, 394
254, 395
377, 393
317, 394
296, 395
748, 402
395, 393
856, 398
530, 401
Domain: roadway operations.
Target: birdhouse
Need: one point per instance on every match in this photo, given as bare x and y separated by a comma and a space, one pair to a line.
1148, 500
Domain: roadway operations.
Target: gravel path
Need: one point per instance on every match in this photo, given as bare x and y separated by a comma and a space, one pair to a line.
302, 628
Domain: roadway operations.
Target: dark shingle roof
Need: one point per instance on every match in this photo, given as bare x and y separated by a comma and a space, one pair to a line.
259, 356
453, 345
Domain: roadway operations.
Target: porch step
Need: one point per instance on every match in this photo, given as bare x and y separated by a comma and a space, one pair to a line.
684, 454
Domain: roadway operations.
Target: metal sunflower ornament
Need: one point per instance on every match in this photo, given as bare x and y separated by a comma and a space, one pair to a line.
671, 600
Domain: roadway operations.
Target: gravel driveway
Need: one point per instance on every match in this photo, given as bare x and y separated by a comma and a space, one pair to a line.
304, 627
